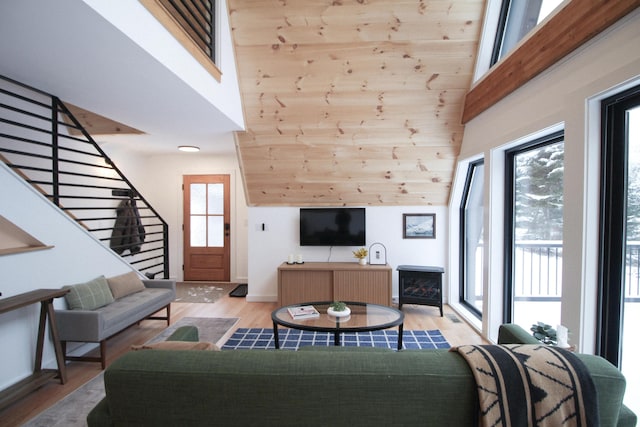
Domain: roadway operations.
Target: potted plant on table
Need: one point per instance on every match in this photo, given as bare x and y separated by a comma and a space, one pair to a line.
544, 333
338, 309
361, 254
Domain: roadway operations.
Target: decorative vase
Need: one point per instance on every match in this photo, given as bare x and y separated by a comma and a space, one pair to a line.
362, 261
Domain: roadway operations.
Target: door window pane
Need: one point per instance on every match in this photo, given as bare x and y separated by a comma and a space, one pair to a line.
534, 230
198, 229
215, 203
215, 233
198, 199
472, 242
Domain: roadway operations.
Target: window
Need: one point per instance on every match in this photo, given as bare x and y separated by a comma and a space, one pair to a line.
207, 215
619, 301
517, 18
196, 19
192, 23
533, 233
471, 239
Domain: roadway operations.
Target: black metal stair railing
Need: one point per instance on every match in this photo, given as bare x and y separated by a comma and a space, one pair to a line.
45, 144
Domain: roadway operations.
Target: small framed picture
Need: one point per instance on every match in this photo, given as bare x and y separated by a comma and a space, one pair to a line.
419, 226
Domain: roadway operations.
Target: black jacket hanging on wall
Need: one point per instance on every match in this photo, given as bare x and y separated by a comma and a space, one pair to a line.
128, 231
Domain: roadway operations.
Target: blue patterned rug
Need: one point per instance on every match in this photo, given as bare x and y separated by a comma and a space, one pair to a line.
291, 339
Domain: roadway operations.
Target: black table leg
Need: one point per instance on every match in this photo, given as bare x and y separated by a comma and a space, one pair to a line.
336, 338
276, 338
400, 329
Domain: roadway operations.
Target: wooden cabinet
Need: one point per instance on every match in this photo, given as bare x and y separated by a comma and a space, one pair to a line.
334, 281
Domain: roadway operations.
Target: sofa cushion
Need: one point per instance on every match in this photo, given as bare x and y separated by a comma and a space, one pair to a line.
89, 295
130, 309
125, 284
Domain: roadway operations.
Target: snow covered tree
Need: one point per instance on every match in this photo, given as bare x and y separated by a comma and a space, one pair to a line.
539, 179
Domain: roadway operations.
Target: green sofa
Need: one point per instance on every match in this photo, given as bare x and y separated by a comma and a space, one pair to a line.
317, 386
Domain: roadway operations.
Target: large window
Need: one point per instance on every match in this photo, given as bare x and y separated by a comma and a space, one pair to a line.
620, 239
517, 18
533, 234
472, 239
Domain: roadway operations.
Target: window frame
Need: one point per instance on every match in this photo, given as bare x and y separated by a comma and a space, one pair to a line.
613, 214
471, 170
504, 29
498, 40
509, 211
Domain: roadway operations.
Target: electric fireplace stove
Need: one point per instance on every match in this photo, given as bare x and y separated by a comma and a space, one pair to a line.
420, 285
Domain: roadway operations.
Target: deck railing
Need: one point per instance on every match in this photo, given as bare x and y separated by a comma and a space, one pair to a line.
45, 144
538, 271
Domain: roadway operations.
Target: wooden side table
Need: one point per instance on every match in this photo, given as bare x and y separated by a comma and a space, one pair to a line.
40, 376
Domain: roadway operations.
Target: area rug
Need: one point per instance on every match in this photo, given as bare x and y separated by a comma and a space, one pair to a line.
202, 292
210, 329
72, 411
292, 339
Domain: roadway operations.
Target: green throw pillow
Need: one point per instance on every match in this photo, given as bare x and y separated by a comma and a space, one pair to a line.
90, 295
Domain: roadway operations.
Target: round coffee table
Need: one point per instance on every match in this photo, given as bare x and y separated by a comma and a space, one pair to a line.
364, 317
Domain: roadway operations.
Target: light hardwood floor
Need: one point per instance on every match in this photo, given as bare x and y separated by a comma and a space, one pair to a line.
251, 315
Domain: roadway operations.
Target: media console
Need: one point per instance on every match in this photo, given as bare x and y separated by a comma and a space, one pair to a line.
334, 281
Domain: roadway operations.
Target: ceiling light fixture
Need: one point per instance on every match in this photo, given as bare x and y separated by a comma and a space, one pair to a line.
189, 148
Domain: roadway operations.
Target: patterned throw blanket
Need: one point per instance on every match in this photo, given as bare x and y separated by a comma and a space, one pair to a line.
531, 385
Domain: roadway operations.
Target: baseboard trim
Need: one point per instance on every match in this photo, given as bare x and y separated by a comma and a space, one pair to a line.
261, 298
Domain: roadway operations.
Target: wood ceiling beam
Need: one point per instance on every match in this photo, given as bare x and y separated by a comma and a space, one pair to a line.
572, 26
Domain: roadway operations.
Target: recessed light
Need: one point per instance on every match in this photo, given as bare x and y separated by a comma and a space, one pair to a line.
189, 148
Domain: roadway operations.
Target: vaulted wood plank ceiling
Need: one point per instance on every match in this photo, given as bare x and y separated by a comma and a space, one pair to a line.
352, 102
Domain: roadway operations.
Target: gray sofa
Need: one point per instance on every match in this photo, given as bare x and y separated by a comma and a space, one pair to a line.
99, 324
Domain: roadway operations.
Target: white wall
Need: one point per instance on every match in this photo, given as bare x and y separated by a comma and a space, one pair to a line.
133, 19
73, 259
159, 179
256, 254
270, 248
566, 95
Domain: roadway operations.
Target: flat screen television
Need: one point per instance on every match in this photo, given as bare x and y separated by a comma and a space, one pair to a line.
332, 227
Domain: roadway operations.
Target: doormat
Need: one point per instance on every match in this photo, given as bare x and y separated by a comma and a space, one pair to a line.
239, 291
292, 339
202, 292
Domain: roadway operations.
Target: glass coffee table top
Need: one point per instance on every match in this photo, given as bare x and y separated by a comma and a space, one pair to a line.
364, 317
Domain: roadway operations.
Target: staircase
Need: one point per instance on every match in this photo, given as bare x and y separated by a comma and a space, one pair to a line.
46, 145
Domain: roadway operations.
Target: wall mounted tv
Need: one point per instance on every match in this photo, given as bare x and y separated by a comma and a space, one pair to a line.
332, 227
